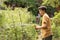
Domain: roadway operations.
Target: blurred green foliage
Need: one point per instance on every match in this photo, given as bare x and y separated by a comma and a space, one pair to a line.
56, 25
10, 20
12, 25
53, 3
32, 5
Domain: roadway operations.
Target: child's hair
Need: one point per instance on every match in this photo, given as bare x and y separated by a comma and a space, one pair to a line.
42, 8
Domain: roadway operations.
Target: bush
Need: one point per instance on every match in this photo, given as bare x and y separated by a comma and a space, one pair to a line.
12, 25
56, 25
57, 19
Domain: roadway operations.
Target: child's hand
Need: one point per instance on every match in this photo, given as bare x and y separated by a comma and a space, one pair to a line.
37, 27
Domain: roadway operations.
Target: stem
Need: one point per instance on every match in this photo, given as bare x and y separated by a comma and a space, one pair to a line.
15, 28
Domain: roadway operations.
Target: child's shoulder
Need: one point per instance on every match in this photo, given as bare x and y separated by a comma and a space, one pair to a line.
46, 15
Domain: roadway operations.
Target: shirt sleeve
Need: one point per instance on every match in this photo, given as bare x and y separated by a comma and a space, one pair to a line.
44, 21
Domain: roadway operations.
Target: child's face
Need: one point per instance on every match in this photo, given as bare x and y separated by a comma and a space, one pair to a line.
41, 12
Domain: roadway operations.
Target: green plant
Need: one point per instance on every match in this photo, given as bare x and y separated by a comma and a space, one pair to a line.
12, 25
56, 25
